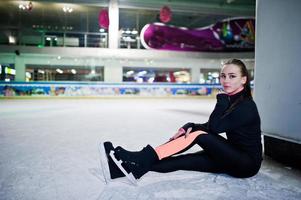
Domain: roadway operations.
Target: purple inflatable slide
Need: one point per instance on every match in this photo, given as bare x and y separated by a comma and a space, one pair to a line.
229, 35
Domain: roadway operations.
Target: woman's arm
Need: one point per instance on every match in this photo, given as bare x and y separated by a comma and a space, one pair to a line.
195, 127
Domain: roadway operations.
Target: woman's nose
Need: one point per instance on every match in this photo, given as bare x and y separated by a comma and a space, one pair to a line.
226, 79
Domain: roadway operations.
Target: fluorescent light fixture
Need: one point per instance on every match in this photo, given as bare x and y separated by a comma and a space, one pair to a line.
215, 75
28, 75
67, 9
128, 31
134, 31
41, 71
11, 39
22, 7
59, 71
73, 71
130, 72
142, 73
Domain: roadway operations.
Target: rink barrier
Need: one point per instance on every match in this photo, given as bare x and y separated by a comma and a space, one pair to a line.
88, 89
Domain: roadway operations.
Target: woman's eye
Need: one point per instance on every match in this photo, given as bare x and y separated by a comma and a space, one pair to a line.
232, 76
222, 76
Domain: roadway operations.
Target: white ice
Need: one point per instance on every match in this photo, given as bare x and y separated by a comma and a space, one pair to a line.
48, 150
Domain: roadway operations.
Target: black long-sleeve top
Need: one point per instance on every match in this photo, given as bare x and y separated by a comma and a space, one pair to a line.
242, 124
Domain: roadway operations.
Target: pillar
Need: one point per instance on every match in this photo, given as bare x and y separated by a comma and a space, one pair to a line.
277, 78
112, 71
20, 68
114, 24
195, 75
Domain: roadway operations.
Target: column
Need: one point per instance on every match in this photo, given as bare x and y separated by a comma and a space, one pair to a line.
114, 24
277, 78
195, 74
112, 71
20, 68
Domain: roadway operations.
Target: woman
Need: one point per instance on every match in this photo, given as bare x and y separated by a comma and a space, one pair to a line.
239, 155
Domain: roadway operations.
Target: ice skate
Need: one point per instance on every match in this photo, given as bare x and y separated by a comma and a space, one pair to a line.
109, 169
137, 163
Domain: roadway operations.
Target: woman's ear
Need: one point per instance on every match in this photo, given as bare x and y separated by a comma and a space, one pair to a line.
244, 80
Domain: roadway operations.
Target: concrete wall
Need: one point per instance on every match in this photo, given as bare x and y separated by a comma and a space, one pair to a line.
278, 68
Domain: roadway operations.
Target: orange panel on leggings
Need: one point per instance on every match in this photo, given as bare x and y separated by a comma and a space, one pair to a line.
176, 145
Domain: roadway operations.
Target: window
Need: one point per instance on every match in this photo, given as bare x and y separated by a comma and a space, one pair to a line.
64, 73
151, 75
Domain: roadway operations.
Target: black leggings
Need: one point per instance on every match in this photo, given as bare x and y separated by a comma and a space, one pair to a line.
218, 156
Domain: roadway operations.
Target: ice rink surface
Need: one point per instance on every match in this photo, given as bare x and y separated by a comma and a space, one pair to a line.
49, 151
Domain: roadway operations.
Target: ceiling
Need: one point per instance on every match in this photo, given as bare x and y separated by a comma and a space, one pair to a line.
132, 13
234, 7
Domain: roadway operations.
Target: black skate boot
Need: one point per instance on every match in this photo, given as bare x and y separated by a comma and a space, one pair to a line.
109, 168
138, 163
119, 151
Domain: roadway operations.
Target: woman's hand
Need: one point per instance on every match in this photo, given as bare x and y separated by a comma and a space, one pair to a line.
180, 133
188, 125
188, 131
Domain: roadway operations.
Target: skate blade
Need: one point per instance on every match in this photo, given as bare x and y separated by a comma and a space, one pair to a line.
130, 176
104, 162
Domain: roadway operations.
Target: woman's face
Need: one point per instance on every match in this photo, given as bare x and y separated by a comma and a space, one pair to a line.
231, 79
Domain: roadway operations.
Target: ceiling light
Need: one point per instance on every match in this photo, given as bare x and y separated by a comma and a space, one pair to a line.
128, 31
41, 71
67, 9
134, 31
22, 7
59, 71
11, 40
130, 72
73, 71
142, 73
28, 74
